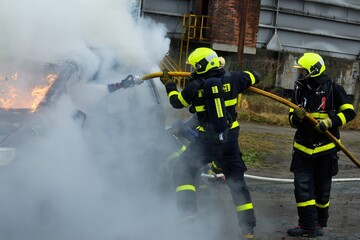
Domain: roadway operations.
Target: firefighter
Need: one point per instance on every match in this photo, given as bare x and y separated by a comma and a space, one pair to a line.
315, 158
212, 94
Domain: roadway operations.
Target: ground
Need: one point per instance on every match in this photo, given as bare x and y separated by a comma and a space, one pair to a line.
274, 202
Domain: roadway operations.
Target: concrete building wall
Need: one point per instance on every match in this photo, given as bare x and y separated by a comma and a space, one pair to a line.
342, 71
278, 71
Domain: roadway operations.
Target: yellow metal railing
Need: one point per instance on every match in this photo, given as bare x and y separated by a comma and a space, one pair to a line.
169, 64
194, 28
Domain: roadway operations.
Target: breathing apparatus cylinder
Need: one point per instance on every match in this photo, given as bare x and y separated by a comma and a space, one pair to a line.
215, 107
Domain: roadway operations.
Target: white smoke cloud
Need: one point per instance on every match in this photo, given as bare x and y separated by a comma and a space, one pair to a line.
102, 180
53, 30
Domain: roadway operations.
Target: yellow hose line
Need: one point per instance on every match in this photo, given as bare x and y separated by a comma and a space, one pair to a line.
309, 117
159, 74
276, 98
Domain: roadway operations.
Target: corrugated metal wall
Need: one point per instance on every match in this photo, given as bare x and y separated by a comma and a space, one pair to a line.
330, 26
169, 12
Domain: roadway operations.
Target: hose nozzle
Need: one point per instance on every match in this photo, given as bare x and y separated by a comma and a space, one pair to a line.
138, 79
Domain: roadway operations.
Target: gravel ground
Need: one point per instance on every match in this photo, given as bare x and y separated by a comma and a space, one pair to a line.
274, 202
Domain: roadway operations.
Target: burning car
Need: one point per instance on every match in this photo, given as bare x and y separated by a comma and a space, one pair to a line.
29, 89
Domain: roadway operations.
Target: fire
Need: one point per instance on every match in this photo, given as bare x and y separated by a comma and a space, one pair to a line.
39, 93
14, 94
7, 102
8, 90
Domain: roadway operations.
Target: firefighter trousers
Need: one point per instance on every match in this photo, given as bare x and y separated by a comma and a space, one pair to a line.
312, 182
229, 158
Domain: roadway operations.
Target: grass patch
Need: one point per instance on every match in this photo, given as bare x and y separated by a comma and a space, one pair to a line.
255, 146
259, 109
354, 124
266, 118
253, 158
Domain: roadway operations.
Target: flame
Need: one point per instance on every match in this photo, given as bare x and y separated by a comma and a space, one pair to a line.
39, 92
12, 96
7, 102
9, 91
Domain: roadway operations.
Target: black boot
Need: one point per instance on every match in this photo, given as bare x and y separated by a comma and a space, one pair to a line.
319, 231
300, 232
247, 233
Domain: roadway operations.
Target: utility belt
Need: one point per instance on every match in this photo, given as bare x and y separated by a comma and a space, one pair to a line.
208, 134
316, 149
233, 125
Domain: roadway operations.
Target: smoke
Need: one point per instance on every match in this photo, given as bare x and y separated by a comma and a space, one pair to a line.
103, 178
54, 30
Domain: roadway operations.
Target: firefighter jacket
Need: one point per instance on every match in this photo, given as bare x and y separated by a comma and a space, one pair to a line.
322, 98
192, 96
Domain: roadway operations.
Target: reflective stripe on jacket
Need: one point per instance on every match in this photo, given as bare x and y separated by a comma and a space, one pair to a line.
322, 99
233, 83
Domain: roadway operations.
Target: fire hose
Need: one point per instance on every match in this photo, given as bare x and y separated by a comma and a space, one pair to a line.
276, 98
311, 118
271, 179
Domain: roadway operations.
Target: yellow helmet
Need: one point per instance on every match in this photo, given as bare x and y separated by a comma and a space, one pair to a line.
313, 63
203, 59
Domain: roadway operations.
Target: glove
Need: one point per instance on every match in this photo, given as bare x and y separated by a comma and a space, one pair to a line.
323, 125
300, 113
165, 79
214, 170
193, 75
